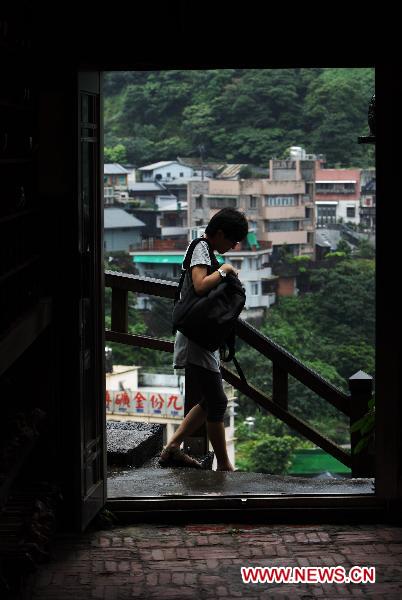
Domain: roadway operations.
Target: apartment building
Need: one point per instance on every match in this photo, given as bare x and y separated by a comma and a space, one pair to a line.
279, 208
337, 195
115, 183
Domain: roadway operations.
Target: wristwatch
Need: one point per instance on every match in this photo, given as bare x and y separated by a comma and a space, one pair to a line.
222, 272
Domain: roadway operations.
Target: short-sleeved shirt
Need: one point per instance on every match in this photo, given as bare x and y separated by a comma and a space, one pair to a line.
186, 351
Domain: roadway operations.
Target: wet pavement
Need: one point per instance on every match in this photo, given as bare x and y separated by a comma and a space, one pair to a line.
160, 482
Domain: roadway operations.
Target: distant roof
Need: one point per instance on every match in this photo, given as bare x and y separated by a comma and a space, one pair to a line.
231, 171
114, 169
197, 163
144, 187
157, 165
327, 238
116, 218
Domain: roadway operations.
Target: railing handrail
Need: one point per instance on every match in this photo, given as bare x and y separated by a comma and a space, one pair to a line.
246, 332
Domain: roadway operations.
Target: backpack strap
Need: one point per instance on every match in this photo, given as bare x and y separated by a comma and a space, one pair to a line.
229, 345
187, 260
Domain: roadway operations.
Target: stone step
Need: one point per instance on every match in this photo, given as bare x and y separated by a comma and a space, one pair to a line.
131, 444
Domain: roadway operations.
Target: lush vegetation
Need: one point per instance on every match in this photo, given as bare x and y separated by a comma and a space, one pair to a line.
238, 115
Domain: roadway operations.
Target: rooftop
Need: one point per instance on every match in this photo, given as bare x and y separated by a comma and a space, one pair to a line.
114, 169
157, 165
116, 218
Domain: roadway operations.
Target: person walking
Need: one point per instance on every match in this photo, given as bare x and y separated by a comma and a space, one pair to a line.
203, 377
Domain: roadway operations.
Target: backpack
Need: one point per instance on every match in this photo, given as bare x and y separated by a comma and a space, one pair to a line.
210, 320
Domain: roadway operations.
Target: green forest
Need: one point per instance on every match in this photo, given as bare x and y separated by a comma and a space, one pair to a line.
238, 115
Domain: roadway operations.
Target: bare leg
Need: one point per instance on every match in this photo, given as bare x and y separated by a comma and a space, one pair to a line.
191, 422
216, 434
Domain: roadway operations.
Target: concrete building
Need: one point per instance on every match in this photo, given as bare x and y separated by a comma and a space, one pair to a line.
115, 183
165, 170
368, 200
120, 230
256, 276
279, 209
337, 195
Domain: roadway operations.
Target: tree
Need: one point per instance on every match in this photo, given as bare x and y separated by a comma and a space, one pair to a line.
117, 154
365, 249
244, 115
272, 454
343, 246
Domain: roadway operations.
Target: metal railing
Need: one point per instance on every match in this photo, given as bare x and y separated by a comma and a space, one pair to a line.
354, 405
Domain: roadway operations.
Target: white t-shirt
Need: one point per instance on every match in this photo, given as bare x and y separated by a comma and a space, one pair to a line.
186, 351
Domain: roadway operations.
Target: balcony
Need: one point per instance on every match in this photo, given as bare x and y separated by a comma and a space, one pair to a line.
255, 274
284, 212
195, 484
152, 244
308, 225
258, 301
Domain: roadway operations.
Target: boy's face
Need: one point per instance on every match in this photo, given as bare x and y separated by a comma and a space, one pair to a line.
221, 243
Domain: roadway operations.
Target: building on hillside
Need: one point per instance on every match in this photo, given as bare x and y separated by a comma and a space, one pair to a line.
337, 195
165, 170
367, 200
115, 184
120, 230
255, 273
279, 209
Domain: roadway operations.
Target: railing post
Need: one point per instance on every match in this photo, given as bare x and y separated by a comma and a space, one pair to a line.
360, 386
280, 386
119, 310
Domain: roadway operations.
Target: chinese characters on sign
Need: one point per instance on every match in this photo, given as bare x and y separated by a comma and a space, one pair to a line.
150, 403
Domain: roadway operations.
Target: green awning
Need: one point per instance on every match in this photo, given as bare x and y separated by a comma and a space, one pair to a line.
163, 259
252, 240
175, 260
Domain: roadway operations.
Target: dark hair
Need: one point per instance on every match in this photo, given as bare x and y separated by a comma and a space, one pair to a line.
232, 222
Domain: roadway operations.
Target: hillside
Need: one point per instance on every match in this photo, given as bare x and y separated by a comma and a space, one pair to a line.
238, 115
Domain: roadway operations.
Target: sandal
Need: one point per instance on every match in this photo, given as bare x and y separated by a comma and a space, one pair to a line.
173, 456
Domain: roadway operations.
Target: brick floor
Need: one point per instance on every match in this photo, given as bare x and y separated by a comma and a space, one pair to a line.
203, 561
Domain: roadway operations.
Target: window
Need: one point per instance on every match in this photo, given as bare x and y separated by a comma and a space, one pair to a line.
181, 174
253, 202
310, 238
254, 288
198, 201
350, 211
335, 188
326, 214
122, 179
222, 201
281, 225
167, 174
281, 201
236, 264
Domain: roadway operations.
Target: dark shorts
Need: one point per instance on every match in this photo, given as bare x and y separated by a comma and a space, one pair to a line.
205, 387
